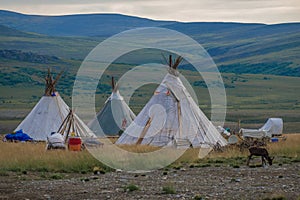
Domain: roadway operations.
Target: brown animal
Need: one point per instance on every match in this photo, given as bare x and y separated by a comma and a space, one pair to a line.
258, 151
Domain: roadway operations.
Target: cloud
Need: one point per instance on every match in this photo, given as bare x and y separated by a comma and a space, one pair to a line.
264, 11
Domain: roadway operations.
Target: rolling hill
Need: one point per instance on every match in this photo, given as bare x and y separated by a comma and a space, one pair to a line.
75, 25
235, 47
260, 63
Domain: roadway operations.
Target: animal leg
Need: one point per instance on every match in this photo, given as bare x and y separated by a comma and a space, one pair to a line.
263, 162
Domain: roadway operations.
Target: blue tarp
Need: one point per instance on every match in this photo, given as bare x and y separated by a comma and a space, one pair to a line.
18, 135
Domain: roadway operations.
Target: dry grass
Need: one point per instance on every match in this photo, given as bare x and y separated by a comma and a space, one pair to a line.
289, 148
139, 148
34, 157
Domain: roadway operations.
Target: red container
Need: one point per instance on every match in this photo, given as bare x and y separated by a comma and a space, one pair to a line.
74, 143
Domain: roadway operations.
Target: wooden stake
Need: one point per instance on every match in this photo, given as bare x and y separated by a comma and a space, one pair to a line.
144, 131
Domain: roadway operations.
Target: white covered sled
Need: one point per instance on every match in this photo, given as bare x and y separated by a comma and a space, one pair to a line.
273, 127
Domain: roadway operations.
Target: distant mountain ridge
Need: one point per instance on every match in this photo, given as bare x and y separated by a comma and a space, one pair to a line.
75, 25
235, 47
109, 24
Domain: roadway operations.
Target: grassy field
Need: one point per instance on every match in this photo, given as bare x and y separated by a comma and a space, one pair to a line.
21, 157
252, 99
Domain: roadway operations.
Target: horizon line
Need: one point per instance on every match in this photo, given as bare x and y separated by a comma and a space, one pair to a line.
142, 17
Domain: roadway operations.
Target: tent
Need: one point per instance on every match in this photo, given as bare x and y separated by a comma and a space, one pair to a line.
47, 115
171, 117
114, 117
73, 126
272, 127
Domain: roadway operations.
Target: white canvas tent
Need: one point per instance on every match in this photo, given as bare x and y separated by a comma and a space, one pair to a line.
272, 127
47, 115
171, 117
114, 117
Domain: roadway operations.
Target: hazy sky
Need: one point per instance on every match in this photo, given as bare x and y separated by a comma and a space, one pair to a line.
264, 11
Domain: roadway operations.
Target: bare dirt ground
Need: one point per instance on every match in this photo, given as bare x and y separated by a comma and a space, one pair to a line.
214, 182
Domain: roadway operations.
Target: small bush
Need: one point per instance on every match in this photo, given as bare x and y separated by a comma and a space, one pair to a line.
56, 176
198, 197
203, 165
42, 169
43, 175
3, 173
131, 188
219, 161
169, 190
276, 198
16, 169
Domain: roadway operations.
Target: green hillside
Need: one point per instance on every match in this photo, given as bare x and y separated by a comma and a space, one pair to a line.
260, 66
251, 98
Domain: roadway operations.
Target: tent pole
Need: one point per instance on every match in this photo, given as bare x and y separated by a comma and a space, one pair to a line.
63, 123
69, 127
144, 131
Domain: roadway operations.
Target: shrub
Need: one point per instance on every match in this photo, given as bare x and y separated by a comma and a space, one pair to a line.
3, 173
198, 197
168, 189
203, 165
131, 188
276, 198
56, 176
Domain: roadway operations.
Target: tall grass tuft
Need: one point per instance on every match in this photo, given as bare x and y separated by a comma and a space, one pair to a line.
34, 157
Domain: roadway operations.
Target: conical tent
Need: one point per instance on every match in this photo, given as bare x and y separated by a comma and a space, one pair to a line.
45, 117
48, 113
172, 117
114, 117
74, 126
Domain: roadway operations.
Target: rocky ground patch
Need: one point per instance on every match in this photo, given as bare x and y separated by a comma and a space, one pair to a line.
186, 182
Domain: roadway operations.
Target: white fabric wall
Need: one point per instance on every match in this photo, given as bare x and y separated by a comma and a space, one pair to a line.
45, 117
167, 124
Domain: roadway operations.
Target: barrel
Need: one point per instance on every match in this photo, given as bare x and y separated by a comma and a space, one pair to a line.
74, 144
